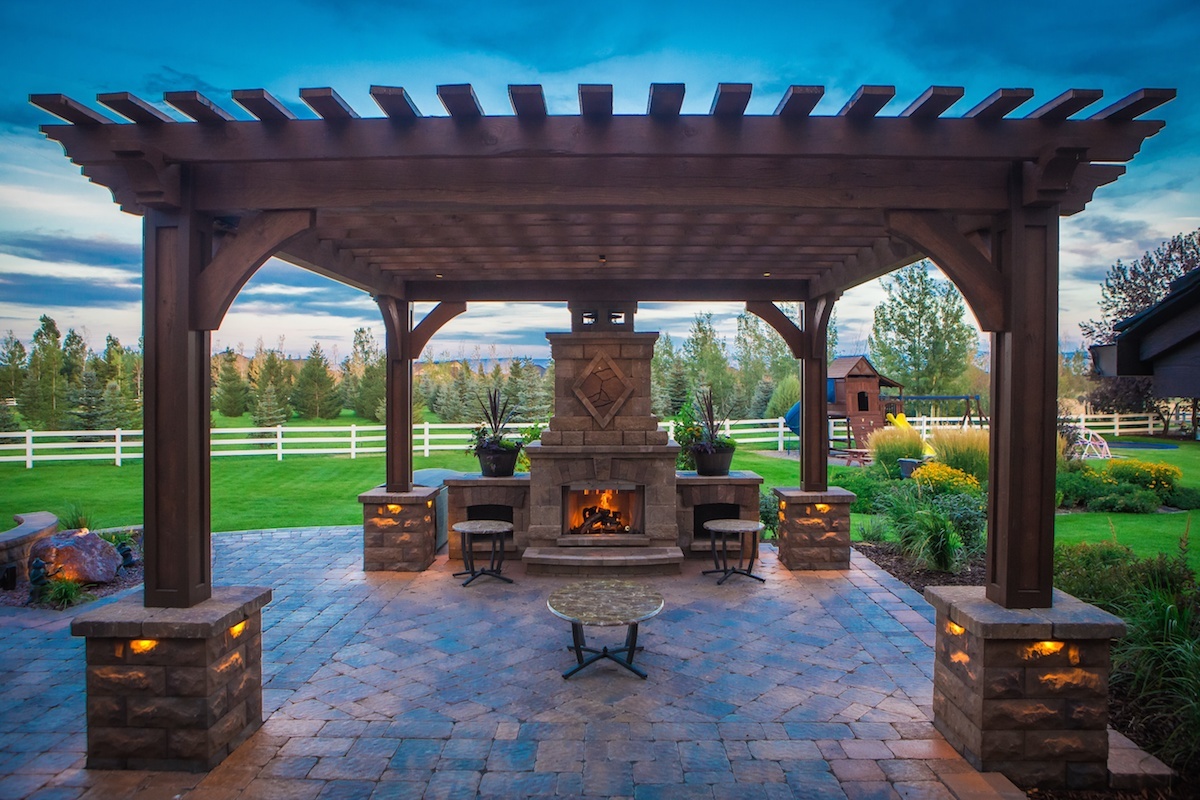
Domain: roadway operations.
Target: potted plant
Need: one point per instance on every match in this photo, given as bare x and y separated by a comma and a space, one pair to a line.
703, 439
497, 453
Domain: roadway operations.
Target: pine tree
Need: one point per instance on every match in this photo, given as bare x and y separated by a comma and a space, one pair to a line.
679, 389
8, 418
762, 396
372, 389
786, 395
117, 410
315, 395
268, 411
232, 394
43, 397
12, 366
86, 401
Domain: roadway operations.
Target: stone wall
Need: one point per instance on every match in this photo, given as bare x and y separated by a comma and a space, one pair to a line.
1024, 692
474, 490
16, 543
399, 529
738, 488
173, 688
814, 528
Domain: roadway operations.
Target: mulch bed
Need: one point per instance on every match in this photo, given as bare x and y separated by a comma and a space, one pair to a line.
126, 578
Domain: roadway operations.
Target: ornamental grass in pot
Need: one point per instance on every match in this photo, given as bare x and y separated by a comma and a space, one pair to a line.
496, 452
702, 437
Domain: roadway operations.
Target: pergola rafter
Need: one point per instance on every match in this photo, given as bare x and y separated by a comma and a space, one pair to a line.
790, 206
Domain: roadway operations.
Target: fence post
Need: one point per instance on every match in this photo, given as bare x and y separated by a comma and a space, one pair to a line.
779, 424
426, 432
117, 445
279, 443
1116, 424
353, 442
671, 430
28, 448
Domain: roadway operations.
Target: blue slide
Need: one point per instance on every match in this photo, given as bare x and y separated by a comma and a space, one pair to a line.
792, 419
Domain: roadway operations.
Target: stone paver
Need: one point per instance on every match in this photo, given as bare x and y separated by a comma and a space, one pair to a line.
389, 685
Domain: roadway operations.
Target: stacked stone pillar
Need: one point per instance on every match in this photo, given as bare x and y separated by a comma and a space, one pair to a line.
814, 528
399, 529
1024, 692
173, 688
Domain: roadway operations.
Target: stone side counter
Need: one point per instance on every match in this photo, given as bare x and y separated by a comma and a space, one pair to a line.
814, 528
173, 688
1024, 692
399, 529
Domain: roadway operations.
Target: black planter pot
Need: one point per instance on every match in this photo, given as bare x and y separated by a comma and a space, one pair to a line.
715, 463
497, 463
907, 466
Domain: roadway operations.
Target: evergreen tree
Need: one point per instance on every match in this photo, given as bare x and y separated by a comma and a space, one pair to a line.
43, 397
12, 366
117, 410
662, 363
8, 418
232, 394
372, 389
86, 402
920, 336
786, 395
74, 358
762, 396
679, 388
363, 352
268, 410
314, 394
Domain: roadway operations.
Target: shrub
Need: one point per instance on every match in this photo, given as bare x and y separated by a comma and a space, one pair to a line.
1126, 498
1157, 477
866, 484
872, 529
925, 532
1080, 485
942, 479
1184, 498
964, 449
768, 513
968, 514
64, 592
892, 443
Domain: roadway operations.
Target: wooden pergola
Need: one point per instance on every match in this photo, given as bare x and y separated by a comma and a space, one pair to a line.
592, 206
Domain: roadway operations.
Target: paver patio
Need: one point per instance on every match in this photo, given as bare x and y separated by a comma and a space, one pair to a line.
382, 685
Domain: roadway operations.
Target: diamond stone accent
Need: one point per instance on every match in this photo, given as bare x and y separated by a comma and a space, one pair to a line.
603, 388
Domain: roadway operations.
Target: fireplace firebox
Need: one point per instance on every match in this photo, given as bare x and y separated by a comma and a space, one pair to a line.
595, 509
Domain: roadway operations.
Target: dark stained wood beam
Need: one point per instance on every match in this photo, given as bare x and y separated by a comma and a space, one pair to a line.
666, 100
1134, 105
933, 102
430, 324
263, 105
133, 108
980, 282
327, 103
886, 255
395, 102
482, 289
460, 101
70, 110
397, 322
998, 103
596, 100
528, 101
198, 107
1066, 104
814, 397
308, 252
799, 101
708, 137
867, 102
796, 339
731, 99
238, 258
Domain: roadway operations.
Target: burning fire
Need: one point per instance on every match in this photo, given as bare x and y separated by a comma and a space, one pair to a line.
594, 511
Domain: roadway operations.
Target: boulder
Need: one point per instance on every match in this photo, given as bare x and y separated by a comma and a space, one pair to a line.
82, 556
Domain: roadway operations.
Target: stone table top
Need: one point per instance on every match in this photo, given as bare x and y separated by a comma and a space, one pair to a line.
483, 526
733, 526
605, 602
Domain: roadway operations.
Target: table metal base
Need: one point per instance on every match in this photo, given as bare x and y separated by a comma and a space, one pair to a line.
721, 560
621, 655
495, 561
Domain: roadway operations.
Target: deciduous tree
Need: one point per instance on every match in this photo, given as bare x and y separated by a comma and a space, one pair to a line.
12, 365
43, 399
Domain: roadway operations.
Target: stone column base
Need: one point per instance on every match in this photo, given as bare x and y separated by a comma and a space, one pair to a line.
1024, 692
173, 688
814, 528
399, 529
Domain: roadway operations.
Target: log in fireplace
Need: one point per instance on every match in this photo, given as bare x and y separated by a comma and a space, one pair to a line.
596, 509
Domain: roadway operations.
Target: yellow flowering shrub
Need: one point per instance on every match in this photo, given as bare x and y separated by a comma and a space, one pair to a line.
942, 479
1157, 477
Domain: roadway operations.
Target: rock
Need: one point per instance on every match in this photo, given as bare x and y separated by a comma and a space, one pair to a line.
82, 556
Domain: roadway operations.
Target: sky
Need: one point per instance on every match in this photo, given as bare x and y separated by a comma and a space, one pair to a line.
67, 251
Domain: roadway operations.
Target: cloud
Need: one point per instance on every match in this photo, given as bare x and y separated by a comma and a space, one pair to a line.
279, 289
62, 247
169, 79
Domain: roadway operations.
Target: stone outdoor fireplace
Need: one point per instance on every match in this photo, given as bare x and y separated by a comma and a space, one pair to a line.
615, 509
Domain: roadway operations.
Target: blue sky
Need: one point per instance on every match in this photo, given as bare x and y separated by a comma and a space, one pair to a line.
67, 250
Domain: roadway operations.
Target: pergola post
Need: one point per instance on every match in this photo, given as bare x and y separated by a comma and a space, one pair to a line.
397, 320
814, 397
178, 525
1020, 557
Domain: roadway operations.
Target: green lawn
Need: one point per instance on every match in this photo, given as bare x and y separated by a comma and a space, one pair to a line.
258, 492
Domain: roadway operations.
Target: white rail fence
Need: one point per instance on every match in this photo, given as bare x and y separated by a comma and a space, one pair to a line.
119, 446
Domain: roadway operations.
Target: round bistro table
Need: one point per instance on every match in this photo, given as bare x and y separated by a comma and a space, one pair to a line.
605, 603
493, 528
747, 532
